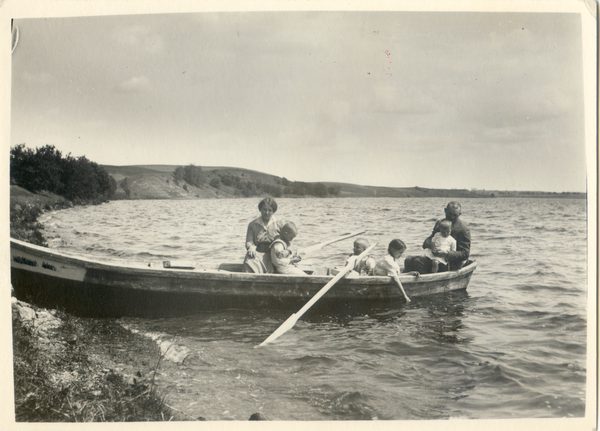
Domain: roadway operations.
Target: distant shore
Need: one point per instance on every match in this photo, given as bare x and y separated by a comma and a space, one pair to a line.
159, 182
26, 207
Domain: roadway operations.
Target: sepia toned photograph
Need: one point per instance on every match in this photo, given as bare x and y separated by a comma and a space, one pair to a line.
329, 215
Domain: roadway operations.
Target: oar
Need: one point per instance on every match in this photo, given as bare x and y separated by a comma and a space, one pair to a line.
319, 246
181, 264
291, 321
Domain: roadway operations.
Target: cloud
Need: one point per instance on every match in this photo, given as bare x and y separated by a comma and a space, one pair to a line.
134, 85
315, 95
140, 37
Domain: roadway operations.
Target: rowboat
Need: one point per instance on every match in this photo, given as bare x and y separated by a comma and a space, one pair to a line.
88, 287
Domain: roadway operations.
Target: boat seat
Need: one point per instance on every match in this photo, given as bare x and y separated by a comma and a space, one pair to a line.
231, 267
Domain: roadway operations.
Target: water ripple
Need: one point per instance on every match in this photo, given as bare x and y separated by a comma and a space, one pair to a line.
513, 345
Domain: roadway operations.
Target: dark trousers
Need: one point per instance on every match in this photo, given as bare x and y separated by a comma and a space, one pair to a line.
421, 264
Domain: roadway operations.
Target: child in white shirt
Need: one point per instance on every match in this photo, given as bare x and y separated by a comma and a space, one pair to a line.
365, 265
388, 265
283, 258
441, 242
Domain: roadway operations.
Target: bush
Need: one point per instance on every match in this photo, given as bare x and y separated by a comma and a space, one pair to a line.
274, 191
39, 170
73, 178
334, 190
193, 175
228, 180
319, 189
178, 175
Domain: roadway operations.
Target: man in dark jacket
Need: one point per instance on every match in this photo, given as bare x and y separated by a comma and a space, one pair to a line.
456, 259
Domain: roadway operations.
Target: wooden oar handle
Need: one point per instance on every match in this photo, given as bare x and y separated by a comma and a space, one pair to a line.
316, 247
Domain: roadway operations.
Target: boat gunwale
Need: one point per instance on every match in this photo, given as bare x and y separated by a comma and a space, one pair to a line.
141, 268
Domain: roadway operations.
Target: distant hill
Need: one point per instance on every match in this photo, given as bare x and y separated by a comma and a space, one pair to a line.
354, 190
158, 182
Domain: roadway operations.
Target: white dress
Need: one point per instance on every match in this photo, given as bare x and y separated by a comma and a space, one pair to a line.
443, 244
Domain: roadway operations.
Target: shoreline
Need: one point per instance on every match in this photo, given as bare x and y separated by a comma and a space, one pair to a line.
76, 369
67, 369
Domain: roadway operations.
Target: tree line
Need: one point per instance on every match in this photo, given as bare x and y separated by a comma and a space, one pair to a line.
194, 176
75, 178
81, 180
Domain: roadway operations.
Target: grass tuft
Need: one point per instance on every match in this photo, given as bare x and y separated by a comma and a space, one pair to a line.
24, 224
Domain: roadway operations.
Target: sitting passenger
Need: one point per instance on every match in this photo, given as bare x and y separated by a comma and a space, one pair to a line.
260, 234
363, 266
283, 258
388, 265
456, 259
441, 242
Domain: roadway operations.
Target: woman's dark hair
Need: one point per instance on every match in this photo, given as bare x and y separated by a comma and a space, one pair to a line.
396, 244
268, 201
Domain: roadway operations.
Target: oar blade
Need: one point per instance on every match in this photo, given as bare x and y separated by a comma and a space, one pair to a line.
285, 326
291, 321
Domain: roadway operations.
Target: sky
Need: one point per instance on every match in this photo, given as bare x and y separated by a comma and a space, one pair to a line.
475, 100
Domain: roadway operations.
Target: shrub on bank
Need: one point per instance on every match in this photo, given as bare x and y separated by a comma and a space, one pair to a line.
46, 169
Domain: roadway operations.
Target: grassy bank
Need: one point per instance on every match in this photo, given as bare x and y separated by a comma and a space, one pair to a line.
26, 207
66, 371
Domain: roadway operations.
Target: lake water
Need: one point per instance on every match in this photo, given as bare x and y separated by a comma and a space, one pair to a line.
512, 346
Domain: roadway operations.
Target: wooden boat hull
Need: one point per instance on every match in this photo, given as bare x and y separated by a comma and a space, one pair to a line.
91, 288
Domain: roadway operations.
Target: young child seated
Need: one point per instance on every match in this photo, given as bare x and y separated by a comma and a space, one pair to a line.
365, 265
388, 265
283, 258
441, 242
